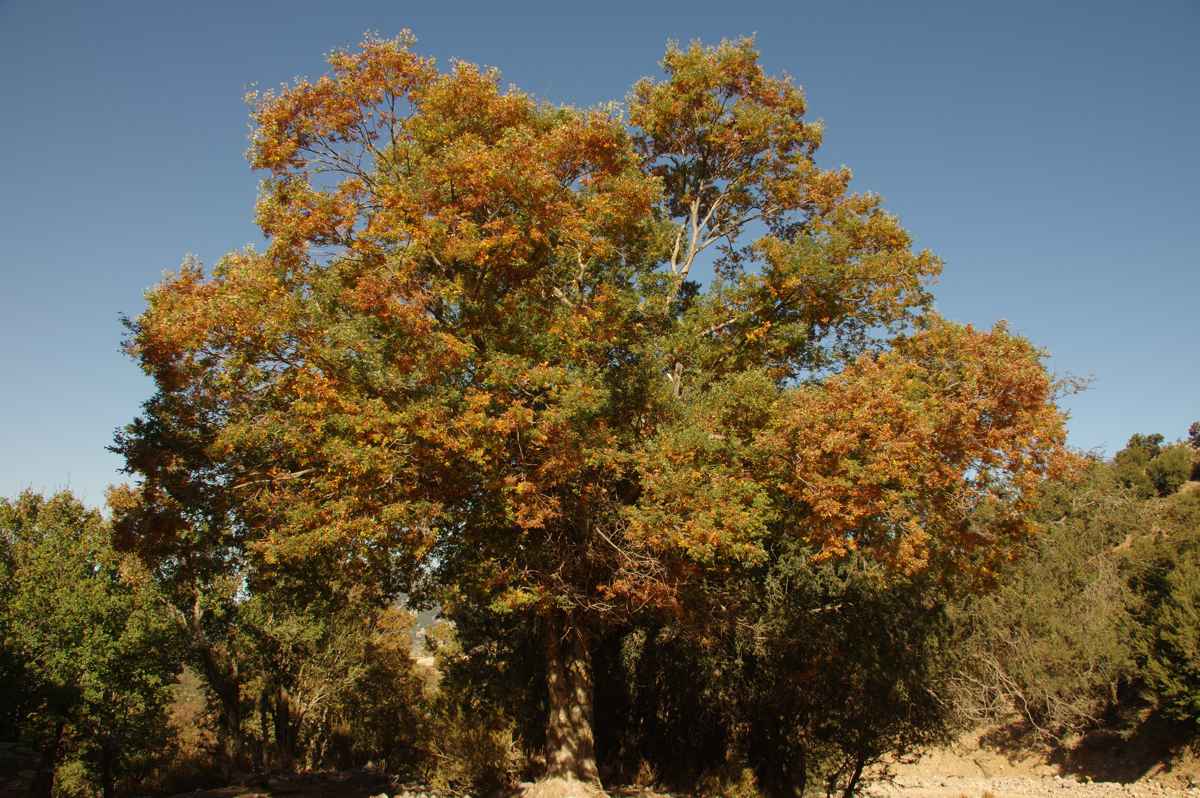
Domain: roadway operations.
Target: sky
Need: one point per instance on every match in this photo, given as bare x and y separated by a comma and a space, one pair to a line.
1046, 151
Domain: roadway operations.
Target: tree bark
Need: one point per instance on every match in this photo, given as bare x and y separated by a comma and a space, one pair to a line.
221, 672
43, 781
285, 743
107, 778
852, 785
570, 743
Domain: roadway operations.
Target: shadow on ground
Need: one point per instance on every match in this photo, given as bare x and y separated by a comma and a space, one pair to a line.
1147, 745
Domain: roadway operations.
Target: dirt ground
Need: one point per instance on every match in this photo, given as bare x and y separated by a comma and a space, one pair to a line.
984, 764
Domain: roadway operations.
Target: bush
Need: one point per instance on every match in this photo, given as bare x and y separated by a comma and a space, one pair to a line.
1170, 468
1169, 635
473, 748
1051, 642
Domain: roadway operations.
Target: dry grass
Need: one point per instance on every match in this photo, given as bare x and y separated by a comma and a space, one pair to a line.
561, 788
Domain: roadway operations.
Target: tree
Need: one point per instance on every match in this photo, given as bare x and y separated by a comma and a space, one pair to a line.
176, 526
473, 363
1170, 468
1132, 462
1151, 468
95, 655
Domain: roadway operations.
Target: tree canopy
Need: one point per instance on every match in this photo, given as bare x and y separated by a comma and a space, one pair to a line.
474, 362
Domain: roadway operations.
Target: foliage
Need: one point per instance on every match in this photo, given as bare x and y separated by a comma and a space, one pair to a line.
93, 653
472, 364
1099, 609
473, 749
850, 668
833, 669
1152, 469
1170, 468
335, 686
485, 714
1052, 641
193, 762
1169, 635
1131, 463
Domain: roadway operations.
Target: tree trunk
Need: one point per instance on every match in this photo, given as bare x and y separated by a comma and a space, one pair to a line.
852, 785
220, 670
570, 744
264, 706
285, 743
107, 780
43, 780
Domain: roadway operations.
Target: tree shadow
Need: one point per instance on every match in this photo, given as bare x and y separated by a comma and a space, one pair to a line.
1123, 750
1150, 746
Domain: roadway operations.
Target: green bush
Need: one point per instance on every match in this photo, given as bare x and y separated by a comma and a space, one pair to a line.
1170, 468
1131, 464
1169, 633
1052, 641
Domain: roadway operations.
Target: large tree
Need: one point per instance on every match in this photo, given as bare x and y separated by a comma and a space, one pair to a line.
474, 357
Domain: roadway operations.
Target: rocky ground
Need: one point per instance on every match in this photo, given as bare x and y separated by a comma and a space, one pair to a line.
1022, 786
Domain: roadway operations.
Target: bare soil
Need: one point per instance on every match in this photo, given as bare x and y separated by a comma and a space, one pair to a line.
998, 762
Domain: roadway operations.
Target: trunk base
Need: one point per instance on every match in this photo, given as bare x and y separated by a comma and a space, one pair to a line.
570, 745
561, 788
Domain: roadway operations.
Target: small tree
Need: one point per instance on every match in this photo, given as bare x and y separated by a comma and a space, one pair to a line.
1170, 468
473, 357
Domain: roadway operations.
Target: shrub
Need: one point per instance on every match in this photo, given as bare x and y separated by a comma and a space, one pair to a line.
1051, 642
473, 748
1169, 635
1170, 468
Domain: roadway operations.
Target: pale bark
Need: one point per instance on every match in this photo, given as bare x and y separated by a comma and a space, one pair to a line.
570, 745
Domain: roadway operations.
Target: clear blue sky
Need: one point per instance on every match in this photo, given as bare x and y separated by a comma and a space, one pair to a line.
1048, 151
